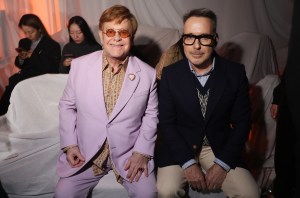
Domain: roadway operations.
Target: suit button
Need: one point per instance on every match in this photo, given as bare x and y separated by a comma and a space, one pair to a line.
194, 146
109, 125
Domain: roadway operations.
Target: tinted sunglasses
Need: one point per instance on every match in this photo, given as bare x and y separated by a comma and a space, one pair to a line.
112, 33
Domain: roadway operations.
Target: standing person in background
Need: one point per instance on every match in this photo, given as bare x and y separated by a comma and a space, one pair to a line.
38, 54
204, 117
285, 109
81, 42
108, 115
285, 147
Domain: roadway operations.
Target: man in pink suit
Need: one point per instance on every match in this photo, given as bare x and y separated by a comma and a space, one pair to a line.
108, 115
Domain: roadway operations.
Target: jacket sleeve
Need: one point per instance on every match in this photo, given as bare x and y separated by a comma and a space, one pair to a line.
240, 121
145, 142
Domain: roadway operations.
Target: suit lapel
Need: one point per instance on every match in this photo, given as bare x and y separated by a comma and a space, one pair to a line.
97, 86
128, 87
38, 49
188, 89
218, 84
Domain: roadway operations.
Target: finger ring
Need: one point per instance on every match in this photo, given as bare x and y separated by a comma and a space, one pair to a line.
141, 169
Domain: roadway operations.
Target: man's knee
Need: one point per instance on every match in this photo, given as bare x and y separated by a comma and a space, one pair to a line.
144, 193
170, 190
167, 187
170, 182
65, 189
144, 188
240, 183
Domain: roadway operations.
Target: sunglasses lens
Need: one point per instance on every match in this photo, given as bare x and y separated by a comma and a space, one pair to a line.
124, 34
110, 32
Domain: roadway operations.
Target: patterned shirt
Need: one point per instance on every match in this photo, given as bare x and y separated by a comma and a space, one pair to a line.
112, 84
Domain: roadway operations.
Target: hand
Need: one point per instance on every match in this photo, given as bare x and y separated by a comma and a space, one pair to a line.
215, 177
274, 111
195, 177
24, 54
74, 157
136, 165
67, 62
29, 53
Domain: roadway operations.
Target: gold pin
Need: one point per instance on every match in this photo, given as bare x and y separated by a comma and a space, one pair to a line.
131, 77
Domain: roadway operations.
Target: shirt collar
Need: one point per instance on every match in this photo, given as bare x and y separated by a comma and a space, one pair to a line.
206, 74
105, 63
35, 43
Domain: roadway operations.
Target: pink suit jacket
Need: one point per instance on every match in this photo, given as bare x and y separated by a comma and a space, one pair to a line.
84, 121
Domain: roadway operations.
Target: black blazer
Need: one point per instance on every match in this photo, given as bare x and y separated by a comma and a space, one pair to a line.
227, 121
44, 59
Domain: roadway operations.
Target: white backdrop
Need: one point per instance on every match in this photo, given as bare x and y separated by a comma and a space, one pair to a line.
268, 17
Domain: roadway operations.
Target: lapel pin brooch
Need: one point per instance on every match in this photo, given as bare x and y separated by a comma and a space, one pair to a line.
131, 77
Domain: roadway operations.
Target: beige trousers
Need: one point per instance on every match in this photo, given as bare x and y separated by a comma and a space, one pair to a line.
239, 182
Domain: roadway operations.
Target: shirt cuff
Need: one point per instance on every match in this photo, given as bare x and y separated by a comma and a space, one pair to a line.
189, 163
222, 164
65, 149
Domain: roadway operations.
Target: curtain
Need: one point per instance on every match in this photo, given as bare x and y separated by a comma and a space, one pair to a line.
270, 18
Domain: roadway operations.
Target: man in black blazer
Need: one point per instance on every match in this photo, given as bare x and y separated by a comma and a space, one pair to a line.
204, 117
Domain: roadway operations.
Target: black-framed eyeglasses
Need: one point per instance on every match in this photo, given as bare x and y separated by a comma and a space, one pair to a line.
122, 33
204, 39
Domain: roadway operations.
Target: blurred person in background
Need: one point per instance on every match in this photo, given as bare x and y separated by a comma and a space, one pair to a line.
38, 54
81, 42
